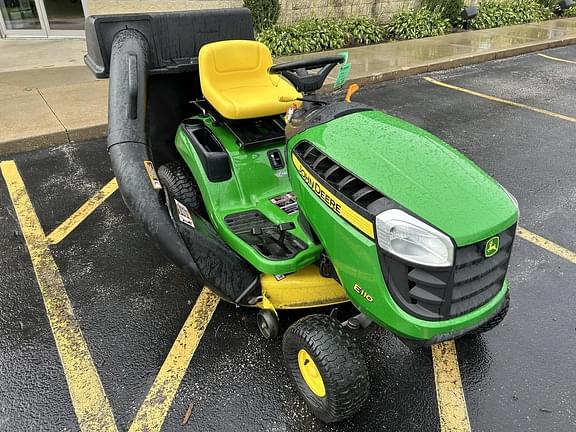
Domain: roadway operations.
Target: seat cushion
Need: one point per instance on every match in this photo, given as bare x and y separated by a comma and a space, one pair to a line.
235, 80
252, 102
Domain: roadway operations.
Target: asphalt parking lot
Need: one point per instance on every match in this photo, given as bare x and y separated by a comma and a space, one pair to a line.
129, 309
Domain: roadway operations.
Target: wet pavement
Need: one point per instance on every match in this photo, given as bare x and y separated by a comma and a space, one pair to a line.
131, 303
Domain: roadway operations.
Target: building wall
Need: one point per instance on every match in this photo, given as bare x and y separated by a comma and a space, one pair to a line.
292, 10
100, 7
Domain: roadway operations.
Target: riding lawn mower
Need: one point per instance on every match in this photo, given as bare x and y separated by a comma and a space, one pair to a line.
276, 197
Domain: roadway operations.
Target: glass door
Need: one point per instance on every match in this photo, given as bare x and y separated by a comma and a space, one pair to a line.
21, 17
43, 18
64, 17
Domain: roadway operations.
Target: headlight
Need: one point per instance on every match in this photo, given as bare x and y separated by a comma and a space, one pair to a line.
413, 240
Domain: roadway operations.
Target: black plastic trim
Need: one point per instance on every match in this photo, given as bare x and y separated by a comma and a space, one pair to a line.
270, 242
435, 294
174, 38
199, 251
303, 120
307, 228
450, 335
312, 158
214, 158
127, 146
275, 158
248, 132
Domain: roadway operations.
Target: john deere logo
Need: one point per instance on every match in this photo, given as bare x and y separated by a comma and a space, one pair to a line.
492, 247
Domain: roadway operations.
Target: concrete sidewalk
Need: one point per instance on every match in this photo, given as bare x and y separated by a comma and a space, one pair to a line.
47, 96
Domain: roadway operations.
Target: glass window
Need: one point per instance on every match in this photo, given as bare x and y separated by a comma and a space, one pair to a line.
64, 14
20, 14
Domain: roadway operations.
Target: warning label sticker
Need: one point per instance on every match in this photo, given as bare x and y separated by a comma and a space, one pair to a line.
183, 214
286, 202
152, 175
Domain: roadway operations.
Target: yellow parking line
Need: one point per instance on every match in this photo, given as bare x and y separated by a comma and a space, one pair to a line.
88, 398
82, 213
500, 100
449, 392
156, 405
557, 59
547, 244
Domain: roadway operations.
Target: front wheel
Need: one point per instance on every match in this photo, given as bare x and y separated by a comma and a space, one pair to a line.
327, 367
267, 324
496, 319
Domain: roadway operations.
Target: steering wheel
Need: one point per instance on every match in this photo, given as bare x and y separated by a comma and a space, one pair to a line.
297, 72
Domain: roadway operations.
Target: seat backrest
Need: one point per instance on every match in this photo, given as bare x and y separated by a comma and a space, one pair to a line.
233, 63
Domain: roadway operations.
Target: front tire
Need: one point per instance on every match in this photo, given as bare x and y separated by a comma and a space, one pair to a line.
268, 324
496, 319
327, 367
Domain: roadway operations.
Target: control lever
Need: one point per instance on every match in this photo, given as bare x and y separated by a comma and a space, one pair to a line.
283, 227
302, 99
280, 228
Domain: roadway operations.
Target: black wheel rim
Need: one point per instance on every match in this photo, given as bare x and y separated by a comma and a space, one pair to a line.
263, 326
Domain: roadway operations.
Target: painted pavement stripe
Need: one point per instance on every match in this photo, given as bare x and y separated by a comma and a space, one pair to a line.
557, 59
88, 398
500, 100
449, 392
82, 213
156, 405
547, 244
92, 407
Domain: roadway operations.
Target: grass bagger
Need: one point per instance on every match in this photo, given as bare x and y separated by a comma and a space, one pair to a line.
277, 198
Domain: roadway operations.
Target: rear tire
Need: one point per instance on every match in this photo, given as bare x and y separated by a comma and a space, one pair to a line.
180, 185
496, 319
327, 367
218, 266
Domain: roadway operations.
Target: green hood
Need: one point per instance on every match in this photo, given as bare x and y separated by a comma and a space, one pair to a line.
418, 171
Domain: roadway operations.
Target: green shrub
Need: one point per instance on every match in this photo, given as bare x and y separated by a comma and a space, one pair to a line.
265, 13
309, 35
363, 30
549, 4
317, 34
498, 13
570, 12
414, 24
284, 40
450, 9
322, 33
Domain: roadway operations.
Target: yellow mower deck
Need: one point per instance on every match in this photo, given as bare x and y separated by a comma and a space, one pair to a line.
304, 289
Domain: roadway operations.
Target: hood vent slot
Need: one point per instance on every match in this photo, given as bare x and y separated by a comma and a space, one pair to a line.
336, 176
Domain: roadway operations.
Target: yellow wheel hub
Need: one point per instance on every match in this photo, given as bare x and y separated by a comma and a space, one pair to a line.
311, 374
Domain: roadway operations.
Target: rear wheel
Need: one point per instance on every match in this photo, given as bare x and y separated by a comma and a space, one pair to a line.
327, 367
180, 185
496, 319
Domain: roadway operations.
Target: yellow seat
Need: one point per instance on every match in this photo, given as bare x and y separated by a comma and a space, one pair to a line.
234, 78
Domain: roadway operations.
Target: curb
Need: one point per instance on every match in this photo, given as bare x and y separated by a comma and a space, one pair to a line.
444, 64
51, 140
72, 136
